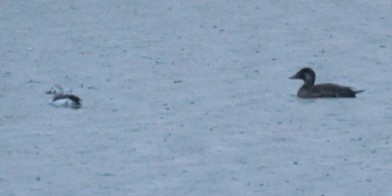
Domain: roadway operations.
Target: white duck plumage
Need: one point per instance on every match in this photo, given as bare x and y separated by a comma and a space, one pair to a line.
62, 99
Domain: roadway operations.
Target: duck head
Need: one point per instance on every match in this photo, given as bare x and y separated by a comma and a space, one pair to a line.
306, 74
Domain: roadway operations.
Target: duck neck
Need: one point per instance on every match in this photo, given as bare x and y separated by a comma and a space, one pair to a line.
309, 83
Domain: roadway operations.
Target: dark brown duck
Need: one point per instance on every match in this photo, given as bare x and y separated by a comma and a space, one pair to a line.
327, 90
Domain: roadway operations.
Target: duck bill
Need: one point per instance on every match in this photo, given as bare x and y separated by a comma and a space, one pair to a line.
294, 77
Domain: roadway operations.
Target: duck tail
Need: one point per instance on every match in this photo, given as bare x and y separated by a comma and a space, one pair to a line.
360, 91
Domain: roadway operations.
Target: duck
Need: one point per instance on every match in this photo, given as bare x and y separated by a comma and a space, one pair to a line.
326, 90
64, 99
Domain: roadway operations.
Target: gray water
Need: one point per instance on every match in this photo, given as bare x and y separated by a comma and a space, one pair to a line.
193, 98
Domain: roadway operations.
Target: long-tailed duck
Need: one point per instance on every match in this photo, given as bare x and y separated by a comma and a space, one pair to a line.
328, 90
62, 99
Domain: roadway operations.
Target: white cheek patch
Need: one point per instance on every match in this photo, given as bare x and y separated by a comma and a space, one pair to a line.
58, 89
308, 77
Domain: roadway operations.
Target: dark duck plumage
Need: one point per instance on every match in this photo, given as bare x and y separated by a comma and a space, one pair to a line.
71, 101
328, 90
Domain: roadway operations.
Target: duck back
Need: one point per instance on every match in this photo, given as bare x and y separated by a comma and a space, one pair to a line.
327, 90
